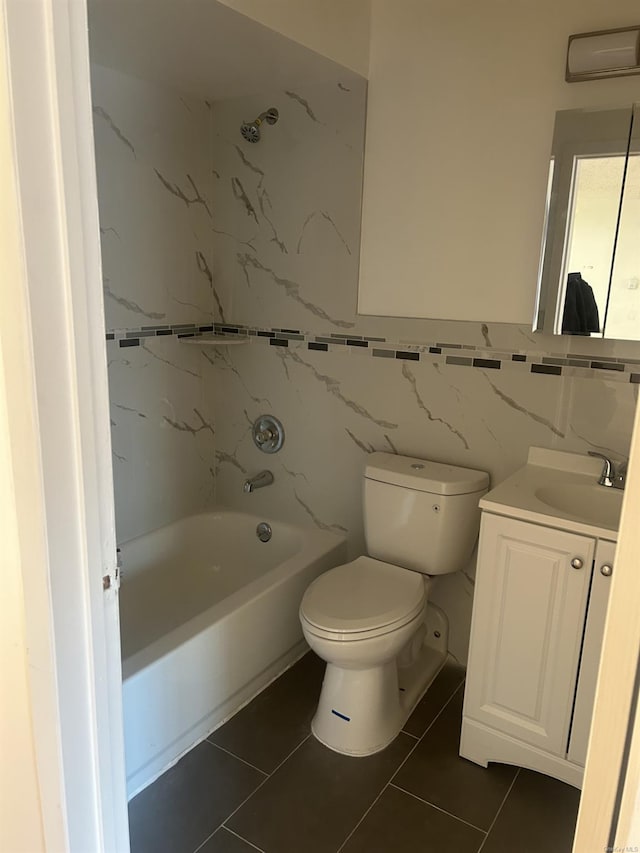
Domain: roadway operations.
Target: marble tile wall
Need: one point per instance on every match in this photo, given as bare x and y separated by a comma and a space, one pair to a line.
287, 209
286, 251
154, 180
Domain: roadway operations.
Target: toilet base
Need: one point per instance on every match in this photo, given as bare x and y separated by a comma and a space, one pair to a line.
361, 711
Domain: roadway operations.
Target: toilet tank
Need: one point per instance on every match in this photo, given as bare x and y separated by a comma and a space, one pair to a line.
421, 515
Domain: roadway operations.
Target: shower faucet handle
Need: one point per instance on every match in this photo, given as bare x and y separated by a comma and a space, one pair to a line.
268, 434
265, 435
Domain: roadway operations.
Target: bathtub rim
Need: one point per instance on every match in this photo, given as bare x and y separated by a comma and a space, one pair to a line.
315, 544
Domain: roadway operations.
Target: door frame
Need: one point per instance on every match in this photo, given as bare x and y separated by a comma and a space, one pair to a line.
608, 818
52, 334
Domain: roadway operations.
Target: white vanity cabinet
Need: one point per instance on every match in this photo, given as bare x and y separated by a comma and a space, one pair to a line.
538, 619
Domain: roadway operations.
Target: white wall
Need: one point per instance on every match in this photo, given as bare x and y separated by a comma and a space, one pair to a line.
462, 100
21, 829
21, 826
335, 28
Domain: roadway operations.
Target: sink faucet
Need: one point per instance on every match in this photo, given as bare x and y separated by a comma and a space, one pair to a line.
264, 478
611, 476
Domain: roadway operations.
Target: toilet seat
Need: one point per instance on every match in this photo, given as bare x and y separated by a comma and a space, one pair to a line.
363, 598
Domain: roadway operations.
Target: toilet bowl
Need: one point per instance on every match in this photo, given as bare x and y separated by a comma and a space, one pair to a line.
370, 619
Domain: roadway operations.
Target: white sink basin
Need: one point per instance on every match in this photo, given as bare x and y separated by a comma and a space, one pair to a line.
592, 504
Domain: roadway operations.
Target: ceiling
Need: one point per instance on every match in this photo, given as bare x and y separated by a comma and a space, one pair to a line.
202, 48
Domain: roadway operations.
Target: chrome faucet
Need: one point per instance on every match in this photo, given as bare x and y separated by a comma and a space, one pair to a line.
612, 476
264, 478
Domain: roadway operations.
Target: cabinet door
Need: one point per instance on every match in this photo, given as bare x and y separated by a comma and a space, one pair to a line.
528, 619
590, 658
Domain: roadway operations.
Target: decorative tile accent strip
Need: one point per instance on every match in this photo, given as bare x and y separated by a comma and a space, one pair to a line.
491, 363
331, 340
607, 365
551, 369
466, 355
141, 334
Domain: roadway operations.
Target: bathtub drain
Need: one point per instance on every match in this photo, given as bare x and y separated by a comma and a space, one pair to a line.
263, 531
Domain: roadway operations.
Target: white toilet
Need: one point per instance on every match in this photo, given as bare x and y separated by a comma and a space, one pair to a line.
369, 619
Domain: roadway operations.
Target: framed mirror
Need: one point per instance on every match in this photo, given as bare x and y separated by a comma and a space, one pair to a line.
589, 275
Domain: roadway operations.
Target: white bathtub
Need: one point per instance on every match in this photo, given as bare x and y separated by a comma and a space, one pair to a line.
209, 616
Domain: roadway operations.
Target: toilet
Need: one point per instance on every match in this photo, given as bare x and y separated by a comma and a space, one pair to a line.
370, 619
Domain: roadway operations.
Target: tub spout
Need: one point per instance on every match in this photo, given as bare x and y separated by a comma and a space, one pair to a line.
264, 478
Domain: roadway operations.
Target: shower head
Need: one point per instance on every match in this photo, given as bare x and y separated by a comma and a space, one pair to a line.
251, 129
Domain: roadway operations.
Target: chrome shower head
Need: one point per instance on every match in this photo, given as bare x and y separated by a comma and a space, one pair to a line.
250, 130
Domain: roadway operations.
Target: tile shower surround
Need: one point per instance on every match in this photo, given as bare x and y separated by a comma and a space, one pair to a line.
527, 361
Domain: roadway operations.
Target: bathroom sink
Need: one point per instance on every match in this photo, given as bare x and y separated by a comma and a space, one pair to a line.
592, 504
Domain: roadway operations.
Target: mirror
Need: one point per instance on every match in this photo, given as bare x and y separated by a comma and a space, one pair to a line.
589, 277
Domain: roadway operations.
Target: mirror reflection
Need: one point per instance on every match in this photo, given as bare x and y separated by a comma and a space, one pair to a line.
590, 265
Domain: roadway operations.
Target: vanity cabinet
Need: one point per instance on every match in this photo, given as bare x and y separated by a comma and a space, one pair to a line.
538, 619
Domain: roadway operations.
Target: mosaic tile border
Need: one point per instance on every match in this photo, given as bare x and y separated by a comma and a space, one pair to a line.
456, 354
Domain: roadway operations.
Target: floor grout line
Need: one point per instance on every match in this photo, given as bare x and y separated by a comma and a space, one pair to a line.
500, 809
257, 788
201, 845
266, 779
382, 790
438, 808
233, 755
400, 766
410, 753
231, 832
242, 838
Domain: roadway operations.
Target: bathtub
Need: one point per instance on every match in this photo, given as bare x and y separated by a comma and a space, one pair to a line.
208, 617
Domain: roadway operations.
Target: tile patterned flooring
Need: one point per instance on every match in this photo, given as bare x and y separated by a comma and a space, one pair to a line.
261, 782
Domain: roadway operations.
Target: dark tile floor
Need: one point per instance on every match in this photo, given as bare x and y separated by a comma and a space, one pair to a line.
261, 782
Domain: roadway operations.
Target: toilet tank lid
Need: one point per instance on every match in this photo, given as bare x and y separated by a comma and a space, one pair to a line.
423, 475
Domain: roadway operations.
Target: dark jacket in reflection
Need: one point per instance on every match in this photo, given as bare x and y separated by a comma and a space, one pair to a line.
580, 308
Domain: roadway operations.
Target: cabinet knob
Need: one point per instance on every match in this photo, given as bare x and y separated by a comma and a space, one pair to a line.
606, 569
577, 563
